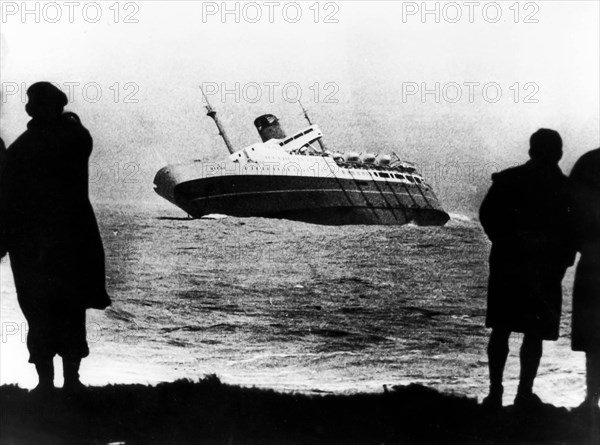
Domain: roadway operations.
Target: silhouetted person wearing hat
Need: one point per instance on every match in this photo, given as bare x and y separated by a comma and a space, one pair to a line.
524, 215
49, 229
584, 193
3, 247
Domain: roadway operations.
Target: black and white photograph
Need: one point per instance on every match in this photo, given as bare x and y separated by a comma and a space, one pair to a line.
299, 222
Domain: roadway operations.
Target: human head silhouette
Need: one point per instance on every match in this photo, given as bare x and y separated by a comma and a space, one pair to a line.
545, 146
46, 101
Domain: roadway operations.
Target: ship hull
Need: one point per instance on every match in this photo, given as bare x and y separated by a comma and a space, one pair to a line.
330, 201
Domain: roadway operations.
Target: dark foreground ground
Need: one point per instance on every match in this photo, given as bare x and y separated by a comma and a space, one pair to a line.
207, 411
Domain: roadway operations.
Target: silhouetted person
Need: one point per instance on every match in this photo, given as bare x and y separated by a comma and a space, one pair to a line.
49, 229
3, 247
585, 203
525, 215
2, 153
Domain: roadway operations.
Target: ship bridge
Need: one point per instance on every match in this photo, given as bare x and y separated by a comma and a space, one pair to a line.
278, 149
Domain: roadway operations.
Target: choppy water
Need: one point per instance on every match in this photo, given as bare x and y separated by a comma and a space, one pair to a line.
293, 306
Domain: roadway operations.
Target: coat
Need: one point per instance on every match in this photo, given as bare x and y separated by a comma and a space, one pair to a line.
47, 223
525, 216
584, 194
3, 247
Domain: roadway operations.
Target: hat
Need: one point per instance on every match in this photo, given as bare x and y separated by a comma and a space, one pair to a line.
45, 93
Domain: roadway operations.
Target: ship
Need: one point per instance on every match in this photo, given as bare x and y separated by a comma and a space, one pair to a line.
298, 178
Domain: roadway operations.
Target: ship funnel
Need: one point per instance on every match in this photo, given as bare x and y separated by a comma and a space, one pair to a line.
268, 127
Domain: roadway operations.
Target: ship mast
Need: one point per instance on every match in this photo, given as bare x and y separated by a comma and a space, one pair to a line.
210, 111
305, 111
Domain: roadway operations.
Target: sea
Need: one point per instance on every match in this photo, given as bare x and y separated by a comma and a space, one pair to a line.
294, 307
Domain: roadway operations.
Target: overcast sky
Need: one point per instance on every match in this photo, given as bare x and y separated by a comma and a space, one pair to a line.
494, 72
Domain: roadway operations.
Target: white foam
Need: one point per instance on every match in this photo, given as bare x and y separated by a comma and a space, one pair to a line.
459, 217
214, 216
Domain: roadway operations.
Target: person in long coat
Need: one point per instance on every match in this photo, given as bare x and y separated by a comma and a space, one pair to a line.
3, 248
584, 182
524, 215
49, 228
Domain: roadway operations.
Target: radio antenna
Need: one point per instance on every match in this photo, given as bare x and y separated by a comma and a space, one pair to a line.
210, 111
305, 111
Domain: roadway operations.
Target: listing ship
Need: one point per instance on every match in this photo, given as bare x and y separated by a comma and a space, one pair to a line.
296, 177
